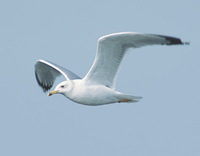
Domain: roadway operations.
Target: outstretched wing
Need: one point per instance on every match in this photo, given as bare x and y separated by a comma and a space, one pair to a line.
46, 73
110, 52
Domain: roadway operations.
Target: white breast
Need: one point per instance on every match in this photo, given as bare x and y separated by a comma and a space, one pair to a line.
92, 94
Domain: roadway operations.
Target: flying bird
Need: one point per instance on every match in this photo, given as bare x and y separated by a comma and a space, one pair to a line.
98, 86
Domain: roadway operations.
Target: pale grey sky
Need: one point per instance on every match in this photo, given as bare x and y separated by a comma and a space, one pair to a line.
165, 122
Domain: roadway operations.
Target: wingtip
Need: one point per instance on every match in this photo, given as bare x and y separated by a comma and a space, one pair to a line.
173, 40
44, 87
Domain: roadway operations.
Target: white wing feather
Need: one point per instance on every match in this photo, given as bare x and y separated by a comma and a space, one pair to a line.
110, 52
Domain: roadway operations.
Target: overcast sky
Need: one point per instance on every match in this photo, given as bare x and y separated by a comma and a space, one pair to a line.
165, 122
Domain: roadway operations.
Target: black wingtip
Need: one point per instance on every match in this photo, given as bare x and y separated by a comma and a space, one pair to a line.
44, 87
173, 40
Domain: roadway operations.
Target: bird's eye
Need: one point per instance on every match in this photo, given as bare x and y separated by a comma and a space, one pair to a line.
62, 86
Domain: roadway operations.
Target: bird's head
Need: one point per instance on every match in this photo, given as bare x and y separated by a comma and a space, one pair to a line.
62, 88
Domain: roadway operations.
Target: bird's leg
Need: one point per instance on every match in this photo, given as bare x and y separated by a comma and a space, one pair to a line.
124, 100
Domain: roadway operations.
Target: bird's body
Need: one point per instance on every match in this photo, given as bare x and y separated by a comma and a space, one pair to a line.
98, 86
94, 94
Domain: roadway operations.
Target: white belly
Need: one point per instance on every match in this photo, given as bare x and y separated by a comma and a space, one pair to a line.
93, 95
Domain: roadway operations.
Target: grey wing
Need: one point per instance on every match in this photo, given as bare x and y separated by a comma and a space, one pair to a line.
111, 49
46, 73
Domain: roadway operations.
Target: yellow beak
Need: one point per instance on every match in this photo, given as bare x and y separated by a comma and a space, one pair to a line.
52, 92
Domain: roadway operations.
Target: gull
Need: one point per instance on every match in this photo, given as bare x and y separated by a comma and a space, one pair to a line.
98, 86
